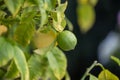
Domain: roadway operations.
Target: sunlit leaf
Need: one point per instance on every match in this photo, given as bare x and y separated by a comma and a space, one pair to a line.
57, 62
14, 5
107, 75
86, 17
12, 71
58, 16
62, 7
21, 63
24, 33
117, 60
6, 51
58, 26
92, 77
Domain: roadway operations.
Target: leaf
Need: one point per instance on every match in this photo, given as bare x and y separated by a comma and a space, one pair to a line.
58, 17
58, 26
67, 76
21, 63
14, 5
69, 24
37, 66
117, 60
2, 14
12, 71
93, 2
48, 5
62, 7
6, 51
92, 77
28, 14
1, 73
86, 17
107, 75
57, 62
31, 2
44, 17
24, 33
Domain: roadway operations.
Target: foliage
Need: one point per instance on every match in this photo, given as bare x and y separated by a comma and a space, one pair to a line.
20, 55
29, 43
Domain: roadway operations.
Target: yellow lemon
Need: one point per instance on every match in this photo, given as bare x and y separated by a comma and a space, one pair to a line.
42, 40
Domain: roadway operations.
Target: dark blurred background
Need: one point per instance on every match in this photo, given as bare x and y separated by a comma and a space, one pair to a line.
86, 50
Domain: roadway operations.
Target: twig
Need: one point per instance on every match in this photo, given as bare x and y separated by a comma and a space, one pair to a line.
88, 70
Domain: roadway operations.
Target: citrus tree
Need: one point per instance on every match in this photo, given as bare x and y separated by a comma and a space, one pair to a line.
32, 41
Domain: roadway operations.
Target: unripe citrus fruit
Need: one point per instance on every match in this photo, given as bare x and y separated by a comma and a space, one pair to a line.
66, 40
42, 40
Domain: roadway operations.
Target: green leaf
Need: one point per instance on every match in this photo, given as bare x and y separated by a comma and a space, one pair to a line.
67, 76
6, 51
62, 7
24, 33
12, 71
50, 4
93, 2
92, 77
69, 24
86, 17
117, 60
2, 14
31, 2
107, 75
14, 5
58, 17
58, 26
21, 63
59, 22
37, 66
44, 17
28, 14
1, 73
57, 62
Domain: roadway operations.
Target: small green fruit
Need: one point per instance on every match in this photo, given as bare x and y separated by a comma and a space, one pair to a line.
66, 40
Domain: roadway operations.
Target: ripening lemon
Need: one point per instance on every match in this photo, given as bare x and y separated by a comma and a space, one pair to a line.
43, 40
66, 40
3, 29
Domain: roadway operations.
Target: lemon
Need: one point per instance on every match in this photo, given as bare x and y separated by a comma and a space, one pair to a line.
43, 40
66, 40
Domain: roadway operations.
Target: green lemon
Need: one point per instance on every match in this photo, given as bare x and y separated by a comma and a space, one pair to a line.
66, 40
